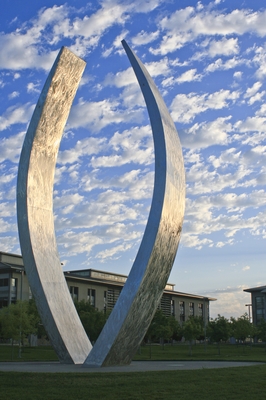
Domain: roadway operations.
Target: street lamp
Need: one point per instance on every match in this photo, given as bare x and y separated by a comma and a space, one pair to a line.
204, 299
248, 305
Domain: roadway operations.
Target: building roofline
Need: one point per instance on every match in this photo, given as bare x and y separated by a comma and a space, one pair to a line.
255, 289
121, 284
71, 274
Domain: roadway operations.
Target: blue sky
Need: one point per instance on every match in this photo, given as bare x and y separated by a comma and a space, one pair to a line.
208, 60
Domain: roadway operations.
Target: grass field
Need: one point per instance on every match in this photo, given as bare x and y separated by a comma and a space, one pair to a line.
242, 383
200, 352
155, 352
206, 384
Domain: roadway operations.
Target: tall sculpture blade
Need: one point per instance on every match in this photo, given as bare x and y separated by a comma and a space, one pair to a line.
138, 301
35, 210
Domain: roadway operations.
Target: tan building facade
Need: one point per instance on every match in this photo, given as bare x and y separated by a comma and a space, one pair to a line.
100, 288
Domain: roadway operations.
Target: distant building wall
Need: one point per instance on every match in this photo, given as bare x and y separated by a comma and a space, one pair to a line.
100, 288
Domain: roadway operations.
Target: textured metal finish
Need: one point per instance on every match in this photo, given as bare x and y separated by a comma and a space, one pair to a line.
35, 210
141, 294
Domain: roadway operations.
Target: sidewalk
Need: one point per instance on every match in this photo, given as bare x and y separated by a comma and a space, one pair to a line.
135, 366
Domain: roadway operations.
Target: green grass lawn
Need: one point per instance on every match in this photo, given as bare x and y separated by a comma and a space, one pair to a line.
239, 383
40, 353
200, 352
155, 352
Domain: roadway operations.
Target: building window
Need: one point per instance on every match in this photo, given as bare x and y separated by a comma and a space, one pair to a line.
112, 297
259, 307
4, 282
191, 309
91, 297
104, 301
13, 282
173, 308
166, 305
182, 311
200, 310
74, 291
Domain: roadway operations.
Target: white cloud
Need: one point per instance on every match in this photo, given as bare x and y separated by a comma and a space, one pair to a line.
19, 49
246, 268
224, 47
257, 97
25, 47
205, 134
189, 76
219, 64
253, 90
18, 114
251, 124
238, 75
260, 60
33, 87
85, 147
13, 95
114, 251
10, 147
97, 115
185, 25
129, 146
184, 107
230, 300
144, 38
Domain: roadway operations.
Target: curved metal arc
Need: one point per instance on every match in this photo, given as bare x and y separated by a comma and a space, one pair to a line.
138, 301
141, 294
35, 210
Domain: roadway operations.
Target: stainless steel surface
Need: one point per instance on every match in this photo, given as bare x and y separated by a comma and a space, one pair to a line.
139, 299
35, 210
141, 294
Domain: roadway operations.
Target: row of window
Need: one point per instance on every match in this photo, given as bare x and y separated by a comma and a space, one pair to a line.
191, 306
259, 308
110, 298
91, 295
4, 282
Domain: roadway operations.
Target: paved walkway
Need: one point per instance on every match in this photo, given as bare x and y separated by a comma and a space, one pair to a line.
135, 366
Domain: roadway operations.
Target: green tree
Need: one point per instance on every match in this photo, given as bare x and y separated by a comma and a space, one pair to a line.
16, 322
36, 320
218, 330
162, 328
261, 331
92, 320
241, 327
192, 330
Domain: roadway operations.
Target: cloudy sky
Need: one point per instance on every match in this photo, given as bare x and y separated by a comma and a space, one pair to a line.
208, 60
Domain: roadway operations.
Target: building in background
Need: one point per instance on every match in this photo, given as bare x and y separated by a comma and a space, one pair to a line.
101, 289
258, 301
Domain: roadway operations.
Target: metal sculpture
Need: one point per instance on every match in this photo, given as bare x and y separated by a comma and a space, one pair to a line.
141, 294
35, 210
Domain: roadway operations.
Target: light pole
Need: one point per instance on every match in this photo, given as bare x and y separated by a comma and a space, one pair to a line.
205, 298
248, 305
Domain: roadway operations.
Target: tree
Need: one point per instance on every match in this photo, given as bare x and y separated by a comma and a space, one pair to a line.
92, 320
36, 320
241, 327
192, 329
261, 331
16, 322
218, 330
162, 327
